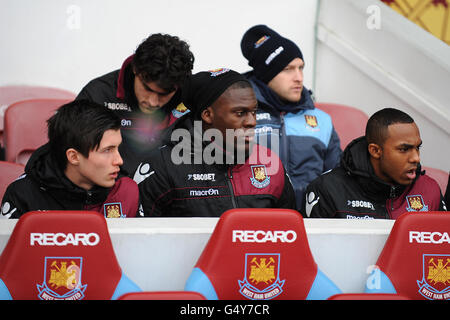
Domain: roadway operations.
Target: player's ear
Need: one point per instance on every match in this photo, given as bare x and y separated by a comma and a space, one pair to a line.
207, 115
73, 156
375, 150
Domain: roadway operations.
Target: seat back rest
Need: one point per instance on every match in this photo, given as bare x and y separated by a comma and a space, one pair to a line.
415, 261
441, 177
67, 255
25, 127
11, 94
349, 122
259, 254
9, 171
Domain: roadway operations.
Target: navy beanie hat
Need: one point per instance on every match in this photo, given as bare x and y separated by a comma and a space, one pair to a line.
203, 88
268, 52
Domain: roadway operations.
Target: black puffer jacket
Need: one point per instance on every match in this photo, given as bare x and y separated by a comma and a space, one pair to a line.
353, 191
45, 187
208, 190
140, 131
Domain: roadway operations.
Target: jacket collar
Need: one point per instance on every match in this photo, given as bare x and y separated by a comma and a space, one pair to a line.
122, 80
356, 162
43, 169
267, 96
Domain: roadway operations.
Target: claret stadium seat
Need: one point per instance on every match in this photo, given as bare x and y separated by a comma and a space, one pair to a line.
259, 254
14, 93
415, 260
439, 175
61, 255
26, 127
9, 171
162, 295
349, 122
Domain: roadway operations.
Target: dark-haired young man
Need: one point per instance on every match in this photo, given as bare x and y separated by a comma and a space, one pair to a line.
78, 169
212, 164
308, 143
379, 177
145, 93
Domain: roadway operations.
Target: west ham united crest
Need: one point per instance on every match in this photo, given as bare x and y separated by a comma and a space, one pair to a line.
62, 279
311, 121
435, 284
262, 276
113, 210
415, 203
260, 178
180, 110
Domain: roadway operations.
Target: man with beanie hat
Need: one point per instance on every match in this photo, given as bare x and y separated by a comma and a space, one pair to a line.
210, 163
308, 143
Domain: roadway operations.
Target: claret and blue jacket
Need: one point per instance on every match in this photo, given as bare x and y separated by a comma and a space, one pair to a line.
189, 189
308, 144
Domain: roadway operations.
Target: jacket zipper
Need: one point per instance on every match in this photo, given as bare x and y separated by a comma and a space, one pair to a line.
87, 201
283, 138
391, 199
228, 177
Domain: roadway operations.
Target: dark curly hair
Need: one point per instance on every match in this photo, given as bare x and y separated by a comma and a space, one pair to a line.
164, 59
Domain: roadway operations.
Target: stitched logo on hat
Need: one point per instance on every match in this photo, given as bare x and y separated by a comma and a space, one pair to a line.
218, 72
274, 54
261, 41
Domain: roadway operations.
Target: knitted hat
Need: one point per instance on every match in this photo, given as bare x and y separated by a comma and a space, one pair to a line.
203, 88
268, 52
